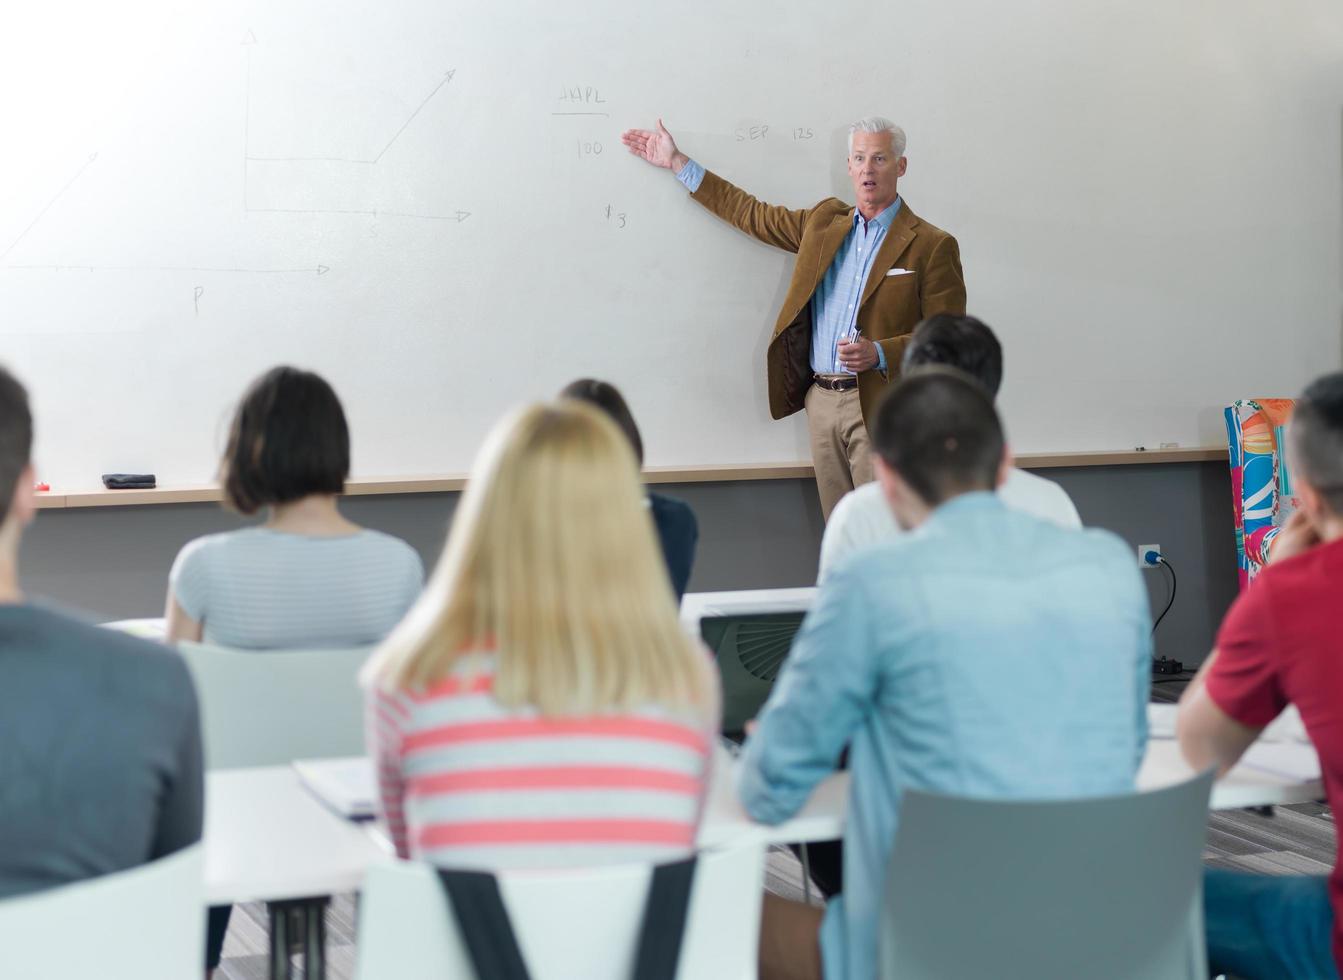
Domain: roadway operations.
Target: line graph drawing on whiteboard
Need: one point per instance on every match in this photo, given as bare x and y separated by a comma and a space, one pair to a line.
251, 160
319, 269
50, 204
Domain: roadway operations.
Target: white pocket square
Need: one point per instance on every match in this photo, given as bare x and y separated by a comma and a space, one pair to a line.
901, 272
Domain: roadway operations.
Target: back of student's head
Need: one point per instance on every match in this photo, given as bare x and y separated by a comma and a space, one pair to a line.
552, 563
963, 342
1316, 440
938, 430
608, 398
16, 438
288, 441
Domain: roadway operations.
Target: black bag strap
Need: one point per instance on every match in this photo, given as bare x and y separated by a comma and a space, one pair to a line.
493, 948
483, 923
663, 926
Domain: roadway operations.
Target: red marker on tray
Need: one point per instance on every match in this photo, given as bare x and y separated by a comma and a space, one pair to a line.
41, 486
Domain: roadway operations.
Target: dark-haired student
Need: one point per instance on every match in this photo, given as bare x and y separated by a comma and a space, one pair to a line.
306, 577
1281, 644
678, 531
862, 516
100, 742
937, 657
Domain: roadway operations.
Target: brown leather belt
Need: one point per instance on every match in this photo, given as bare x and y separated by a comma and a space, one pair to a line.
831, 382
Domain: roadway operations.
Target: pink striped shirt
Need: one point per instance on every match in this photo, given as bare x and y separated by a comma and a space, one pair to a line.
467, 783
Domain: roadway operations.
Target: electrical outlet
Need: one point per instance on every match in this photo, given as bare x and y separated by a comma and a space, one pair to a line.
1144, 550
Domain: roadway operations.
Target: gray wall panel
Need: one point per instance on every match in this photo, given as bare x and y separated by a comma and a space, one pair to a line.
113, 562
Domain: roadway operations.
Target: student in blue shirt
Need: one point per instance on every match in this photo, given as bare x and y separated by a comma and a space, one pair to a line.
987, 653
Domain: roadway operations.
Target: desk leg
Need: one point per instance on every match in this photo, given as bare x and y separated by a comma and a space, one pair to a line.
314, 940
806, 875
300, 920
279, 940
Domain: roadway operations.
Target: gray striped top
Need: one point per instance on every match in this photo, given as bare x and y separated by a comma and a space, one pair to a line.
263, 589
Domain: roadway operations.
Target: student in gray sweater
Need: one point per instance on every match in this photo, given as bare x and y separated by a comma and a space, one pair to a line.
100, 743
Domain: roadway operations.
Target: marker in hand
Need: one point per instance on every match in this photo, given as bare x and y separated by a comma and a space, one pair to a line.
852, 353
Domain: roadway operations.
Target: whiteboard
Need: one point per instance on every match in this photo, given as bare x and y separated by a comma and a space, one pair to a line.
428, 203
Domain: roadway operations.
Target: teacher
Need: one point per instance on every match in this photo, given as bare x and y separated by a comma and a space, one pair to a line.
864, 277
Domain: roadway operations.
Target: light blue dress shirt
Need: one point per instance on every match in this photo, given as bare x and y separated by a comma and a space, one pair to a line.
834, 306
986, 654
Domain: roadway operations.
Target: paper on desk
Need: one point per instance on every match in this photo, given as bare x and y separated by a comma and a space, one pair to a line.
145, 629
1287, 727
347, 786
1288, 759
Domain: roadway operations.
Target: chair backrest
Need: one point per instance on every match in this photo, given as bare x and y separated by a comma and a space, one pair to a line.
269, 707
570, 925
1261, 486
146, 923
1107, 889
749, 649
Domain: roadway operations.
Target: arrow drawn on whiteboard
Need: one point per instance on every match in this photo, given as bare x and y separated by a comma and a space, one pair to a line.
447, 77
249, 41
78, 173
320, 270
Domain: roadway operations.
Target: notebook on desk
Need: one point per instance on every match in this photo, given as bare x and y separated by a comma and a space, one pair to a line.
1287, 727
1290, 760
347, 786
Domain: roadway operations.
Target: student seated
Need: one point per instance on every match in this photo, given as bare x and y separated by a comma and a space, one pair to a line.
306, 577
1281, 644
541, 706
100, 742
678, 531
862, 516
938, 658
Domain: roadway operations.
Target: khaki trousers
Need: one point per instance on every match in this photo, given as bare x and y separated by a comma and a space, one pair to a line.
840, 451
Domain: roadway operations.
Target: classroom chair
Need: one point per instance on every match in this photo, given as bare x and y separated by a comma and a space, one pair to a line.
269, 707
146, 923
1261, 486
570, 924
1107, 888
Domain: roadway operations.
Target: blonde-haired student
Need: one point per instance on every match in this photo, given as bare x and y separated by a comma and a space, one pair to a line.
540, 706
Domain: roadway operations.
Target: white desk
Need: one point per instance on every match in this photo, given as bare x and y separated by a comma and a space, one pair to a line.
822, 818
268, 839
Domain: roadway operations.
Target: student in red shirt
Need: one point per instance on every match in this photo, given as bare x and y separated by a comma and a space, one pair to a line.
1282, 643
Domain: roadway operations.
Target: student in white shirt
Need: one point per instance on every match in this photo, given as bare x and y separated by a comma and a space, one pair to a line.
862, 517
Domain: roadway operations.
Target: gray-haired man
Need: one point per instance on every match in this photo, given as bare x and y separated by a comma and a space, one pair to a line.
864, 277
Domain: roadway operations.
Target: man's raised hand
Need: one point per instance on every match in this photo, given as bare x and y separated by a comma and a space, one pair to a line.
656, 146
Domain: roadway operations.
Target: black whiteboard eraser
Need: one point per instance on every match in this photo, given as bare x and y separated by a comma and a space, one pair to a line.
129, 481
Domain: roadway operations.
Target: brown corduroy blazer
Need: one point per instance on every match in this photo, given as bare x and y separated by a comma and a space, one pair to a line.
891, 306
